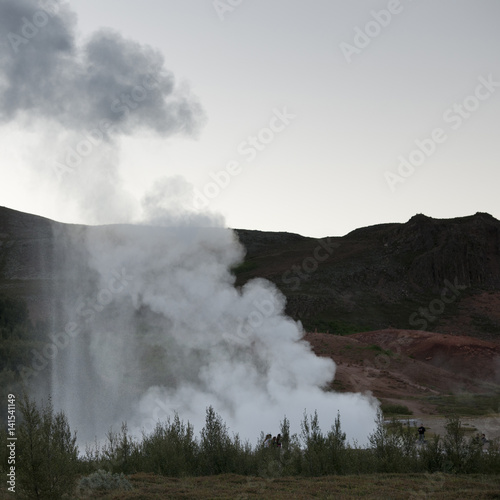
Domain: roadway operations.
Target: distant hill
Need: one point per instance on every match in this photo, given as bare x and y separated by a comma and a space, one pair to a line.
420, 302
440, 275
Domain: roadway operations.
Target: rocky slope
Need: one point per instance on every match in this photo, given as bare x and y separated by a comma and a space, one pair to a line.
427, 274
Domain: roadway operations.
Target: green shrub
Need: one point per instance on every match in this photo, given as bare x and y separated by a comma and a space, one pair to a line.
394, 449
215, 445
393, 409
170, 449
462, 455
431, 456
48, 455
121, 453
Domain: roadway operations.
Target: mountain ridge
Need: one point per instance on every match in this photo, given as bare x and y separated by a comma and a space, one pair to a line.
401, 275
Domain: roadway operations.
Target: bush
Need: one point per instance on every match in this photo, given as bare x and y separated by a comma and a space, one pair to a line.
316, 458
48, 455
215, 445
394, 449
103, 481
432, 455
462, 455
393, 409
170, 449
121, 453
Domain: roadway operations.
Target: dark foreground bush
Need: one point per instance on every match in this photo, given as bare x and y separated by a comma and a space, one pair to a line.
47, 458
48, 455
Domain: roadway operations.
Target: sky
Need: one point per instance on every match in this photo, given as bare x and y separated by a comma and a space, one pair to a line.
314, 117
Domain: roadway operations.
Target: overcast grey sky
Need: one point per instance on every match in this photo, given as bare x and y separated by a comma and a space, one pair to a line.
315, 117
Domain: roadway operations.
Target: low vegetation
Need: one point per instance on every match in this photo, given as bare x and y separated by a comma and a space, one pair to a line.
466, 404
389, 409
50, 468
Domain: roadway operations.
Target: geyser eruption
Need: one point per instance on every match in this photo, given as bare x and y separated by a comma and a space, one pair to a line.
150, 320
162, 329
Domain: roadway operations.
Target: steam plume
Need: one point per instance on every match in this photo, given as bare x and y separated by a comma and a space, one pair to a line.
153, 321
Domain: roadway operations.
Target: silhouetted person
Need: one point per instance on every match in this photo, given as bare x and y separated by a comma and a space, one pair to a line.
421, 434
278, 440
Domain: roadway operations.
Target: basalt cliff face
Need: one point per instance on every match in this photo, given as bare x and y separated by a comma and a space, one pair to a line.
440, 275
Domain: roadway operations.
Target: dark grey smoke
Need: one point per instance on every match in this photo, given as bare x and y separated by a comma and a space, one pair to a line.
79, 96
48, 74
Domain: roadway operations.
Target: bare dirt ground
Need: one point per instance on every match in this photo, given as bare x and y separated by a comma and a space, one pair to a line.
419, 370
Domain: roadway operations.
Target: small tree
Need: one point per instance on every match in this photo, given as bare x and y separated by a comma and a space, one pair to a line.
170, 449
48, 453
121, 453
291, 454
462, 455
431, 456
315, 457
336, 442
215, 445
387, 447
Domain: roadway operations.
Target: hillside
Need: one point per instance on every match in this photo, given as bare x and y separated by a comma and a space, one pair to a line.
426, 274
420, 301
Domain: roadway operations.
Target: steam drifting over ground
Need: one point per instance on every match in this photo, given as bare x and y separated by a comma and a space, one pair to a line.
157, 325
174, 334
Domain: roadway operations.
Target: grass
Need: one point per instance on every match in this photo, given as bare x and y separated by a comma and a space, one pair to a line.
379, 350
389, 409
232, 486
336, 327
473, 405
245, 267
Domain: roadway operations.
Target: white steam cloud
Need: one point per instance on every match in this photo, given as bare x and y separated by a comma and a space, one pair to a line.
153, 322
162, 329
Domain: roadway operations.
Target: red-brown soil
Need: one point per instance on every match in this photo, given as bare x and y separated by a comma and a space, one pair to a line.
405, 366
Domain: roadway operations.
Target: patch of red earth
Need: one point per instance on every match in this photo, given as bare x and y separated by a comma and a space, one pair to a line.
461, 355
403, 366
